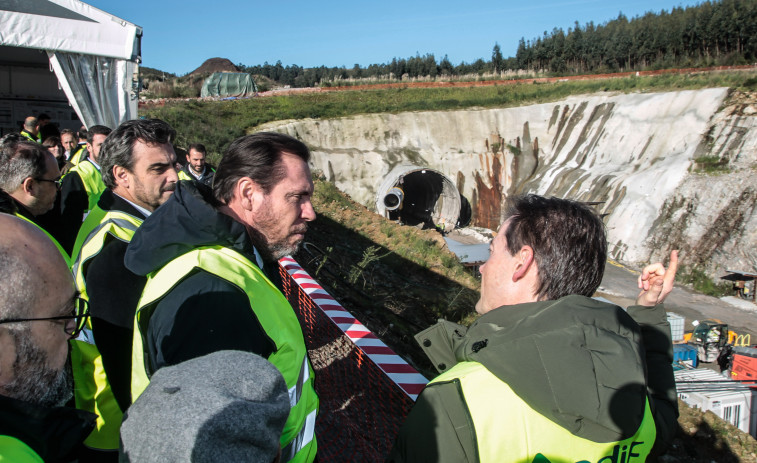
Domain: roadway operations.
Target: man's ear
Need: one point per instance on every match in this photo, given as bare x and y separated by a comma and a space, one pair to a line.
250, 194
120, 176
524, 261
28, 186
187, 156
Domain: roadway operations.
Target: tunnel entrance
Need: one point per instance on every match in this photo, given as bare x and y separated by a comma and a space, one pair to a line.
419, 196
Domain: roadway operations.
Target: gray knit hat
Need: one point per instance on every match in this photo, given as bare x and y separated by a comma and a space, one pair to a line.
225, 406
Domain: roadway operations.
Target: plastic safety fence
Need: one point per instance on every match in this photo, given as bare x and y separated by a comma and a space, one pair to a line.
365, 389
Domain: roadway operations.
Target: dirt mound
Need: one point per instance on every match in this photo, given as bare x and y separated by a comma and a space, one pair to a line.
215, 65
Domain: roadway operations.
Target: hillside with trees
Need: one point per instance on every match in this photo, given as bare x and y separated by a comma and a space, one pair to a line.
712, 33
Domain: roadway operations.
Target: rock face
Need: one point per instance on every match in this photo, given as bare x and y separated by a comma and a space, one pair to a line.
632, 153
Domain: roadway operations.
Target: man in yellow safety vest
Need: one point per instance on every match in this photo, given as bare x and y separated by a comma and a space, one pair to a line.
137, 168
548, 374
210, 257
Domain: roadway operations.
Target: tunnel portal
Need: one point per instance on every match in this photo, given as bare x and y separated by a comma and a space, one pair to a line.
419, 196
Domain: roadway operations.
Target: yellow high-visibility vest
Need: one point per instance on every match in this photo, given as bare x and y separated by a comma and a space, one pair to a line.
92, 391
509, 430
277, 319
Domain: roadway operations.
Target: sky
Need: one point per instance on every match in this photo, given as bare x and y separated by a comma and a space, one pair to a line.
180, 35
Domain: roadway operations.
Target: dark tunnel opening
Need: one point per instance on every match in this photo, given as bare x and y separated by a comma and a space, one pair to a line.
424, 198
421, 193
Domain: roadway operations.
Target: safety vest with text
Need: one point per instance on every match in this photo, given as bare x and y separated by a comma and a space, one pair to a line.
278, 320
92, 391
92, 180
508, 429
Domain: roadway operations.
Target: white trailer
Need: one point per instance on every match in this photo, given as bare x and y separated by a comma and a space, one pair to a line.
730, 400
68, 59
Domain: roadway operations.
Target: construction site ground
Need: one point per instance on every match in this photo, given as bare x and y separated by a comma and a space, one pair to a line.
619, 286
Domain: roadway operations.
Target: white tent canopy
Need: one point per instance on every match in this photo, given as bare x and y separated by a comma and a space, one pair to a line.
93, 54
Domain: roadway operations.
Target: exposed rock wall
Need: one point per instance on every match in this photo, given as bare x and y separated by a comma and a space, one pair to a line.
634, 153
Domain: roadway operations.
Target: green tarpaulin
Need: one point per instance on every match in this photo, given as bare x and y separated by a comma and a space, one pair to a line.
229, 84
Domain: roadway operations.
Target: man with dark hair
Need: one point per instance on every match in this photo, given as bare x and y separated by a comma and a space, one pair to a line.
137, 168
42, 120
29, 174
81, 188
37, 319
547, 373
196, 168
30, 131
211, 256
68, 140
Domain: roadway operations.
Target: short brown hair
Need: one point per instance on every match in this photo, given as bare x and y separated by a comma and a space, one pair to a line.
568, 239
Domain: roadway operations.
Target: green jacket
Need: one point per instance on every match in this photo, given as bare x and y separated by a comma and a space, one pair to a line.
579, 362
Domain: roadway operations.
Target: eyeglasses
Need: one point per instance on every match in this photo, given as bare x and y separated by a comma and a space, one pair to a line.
57, 181
78, 319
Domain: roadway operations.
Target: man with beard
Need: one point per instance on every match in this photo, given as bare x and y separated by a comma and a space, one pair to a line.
137, 167
210, 258
196, 168
37, 319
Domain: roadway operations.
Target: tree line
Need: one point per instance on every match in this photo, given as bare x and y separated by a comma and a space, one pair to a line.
711, 33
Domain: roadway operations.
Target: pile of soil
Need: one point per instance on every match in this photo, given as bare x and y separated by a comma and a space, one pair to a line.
215, 65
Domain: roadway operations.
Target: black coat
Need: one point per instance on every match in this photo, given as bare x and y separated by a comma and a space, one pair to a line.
202, 313
55, 433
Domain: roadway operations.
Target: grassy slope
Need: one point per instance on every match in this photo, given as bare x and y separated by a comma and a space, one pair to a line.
217, 123
396, 280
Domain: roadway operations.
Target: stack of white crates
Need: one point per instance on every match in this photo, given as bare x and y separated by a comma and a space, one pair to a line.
676, 326
730, 400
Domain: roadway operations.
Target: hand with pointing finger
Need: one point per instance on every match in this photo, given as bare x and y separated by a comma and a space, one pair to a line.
655, 282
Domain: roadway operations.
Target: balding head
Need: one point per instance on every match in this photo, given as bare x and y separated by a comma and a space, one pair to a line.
30, 125
36, 284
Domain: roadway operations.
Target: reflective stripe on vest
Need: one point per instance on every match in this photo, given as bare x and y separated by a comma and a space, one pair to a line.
277, 319
92, 180
91, 238
92, 391
55, 242
30, 137
506, 426
183, 175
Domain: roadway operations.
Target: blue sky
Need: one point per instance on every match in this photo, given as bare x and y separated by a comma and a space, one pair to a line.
180, 35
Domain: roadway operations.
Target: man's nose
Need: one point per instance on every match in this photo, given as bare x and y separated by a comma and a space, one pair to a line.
308, 212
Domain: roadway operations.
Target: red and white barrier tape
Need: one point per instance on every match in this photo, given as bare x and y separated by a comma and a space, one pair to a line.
405, 376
